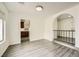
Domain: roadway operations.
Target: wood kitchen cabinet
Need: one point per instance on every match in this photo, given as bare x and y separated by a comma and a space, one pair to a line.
24, 34
22, 24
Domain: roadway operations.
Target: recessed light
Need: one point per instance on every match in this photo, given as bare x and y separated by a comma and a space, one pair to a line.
39, 8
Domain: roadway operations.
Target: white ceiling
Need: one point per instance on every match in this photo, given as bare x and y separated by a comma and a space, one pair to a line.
29, 7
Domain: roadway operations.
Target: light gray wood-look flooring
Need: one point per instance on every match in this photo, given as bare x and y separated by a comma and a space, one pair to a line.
40, 48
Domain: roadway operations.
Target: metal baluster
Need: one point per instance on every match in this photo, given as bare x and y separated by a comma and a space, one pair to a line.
72, 36
55, 34
66, 35
62, 35
59, 35
69, 36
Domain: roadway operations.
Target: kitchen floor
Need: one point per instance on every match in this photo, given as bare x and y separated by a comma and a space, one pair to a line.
40, 48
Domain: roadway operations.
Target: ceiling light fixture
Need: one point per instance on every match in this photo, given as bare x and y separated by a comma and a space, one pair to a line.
39, 8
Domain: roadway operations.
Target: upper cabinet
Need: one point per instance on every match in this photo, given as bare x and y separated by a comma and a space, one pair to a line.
22, 23
25, 24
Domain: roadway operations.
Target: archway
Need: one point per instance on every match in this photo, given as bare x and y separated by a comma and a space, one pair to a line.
64, 29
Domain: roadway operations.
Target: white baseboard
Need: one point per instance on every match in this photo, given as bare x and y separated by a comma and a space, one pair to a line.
67, 45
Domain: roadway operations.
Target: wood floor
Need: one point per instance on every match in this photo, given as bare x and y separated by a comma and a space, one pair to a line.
40, 48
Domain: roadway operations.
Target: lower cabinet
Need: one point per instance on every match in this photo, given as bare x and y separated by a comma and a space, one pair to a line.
24, 35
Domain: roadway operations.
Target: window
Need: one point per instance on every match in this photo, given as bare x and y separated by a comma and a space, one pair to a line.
1, 29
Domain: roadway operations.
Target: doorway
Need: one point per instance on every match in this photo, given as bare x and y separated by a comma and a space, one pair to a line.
24, 25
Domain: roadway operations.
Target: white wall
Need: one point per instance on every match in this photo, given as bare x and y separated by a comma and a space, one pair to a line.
36, 26
49, 35
4, 44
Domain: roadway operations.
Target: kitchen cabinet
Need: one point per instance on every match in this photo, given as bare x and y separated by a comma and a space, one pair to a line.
24, 34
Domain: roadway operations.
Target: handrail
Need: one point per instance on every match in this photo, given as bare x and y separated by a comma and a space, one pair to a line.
65, 35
